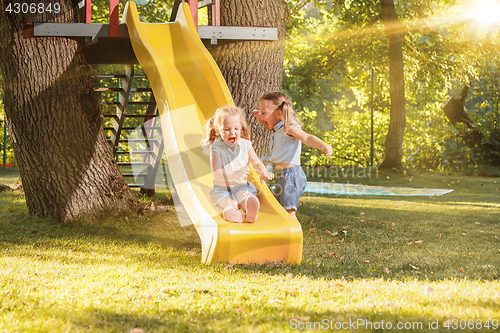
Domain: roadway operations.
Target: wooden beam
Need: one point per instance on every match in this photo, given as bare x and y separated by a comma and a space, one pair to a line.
110, 50
193, 7
113, 17
216, 13
237, 33
92, 30
213, 10
88, 11
204, 3
98, 30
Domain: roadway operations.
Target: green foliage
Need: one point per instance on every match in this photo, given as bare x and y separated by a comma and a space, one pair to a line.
327, 68
484, 109
154, 11
329, 56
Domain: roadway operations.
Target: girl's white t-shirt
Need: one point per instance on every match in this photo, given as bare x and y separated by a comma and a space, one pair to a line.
231, 159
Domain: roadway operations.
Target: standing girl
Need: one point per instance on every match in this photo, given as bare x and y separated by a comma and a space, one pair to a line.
227, 142
277, 115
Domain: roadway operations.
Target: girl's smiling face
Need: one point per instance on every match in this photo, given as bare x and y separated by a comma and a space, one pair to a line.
230, 131
269, 113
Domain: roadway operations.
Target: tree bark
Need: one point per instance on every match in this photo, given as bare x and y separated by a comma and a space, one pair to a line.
66, 165
395, 134
252, 68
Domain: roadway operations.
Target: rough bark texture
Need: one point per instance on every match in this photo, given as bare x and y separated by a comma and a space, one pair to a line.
252, 68
394, 140
65, 163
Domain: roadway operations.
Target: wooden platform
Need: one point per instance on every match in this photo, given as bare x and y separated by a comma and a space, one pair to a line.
102, 49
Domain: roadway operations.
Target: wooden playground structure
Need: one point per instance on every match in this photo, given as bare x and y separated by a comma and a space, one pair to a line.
133, 107
180, 90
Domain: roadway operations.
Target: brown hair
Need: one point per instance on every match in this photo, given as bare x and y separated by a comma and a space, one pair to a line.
284, 103
217, 121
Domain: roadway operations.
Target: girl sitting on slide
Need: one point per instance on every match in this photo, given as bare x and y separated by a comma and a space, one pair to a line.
227, 142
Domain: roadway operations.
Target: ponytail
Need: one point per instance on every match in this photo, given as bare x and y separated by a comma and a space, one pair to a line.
210, 131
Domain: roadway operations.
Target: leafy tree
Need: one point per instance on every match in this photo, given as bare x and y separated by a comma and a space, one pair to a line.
397, 121
153, 11
327, 70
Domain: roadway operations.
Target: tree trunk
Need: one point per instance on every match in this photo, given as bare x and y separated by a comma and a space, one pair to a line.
252, 68
394, 139
65, 163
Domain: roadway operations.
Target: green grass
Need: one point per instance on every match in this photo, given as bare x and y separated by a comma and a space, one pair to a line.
8, 176
430, 259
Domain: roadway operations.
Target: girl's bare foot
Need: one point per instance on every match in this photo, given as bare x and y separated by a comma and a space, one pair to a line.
231, 214
252, 206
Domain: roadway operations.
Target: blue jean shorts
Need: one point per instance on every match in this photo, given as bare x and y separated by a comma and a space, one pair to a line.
290, 184
219, 193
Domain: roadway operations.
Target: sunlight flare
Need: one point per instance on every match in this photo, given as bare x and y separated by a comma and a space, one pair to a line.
487, 12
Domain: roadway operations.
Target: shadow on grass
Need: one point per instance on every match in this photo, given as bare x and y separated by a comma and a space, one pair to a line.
395, 238
139, 236
455, 234
378, 244
159, 317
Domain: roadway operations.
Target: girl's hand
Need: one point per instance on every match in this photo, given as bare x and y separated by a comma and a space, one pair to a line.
266, 175
328, 150
243, 172
257, 114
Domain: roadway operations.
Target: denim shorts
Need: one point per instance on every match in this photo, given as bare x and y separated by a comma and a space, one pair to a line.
290, 184
219, 193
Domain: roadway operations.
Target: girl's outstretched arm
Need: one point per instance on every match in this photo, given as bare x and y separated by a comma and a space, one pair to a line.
220, 172
310, 140
259, 166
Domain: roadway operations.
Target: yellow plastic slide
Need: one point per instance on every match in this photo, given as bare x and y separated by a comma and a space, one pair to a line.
188, 88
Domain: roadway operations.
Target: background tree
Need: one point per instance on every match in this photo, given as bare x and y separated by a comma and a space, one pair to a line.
64, 160
329, 55
395, 134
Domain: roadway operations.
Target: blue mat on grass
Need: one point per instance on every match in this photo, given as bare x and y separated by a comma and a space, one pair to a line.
355, 189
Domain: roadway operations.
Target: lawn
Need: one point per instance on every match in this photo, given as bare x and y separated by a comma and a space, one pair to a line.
396, 264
